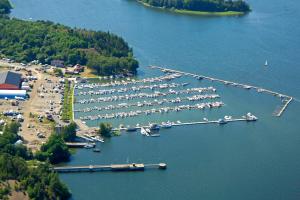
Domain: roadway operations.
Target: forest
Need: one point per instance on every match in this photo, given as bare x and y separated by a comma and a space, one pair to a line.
5, 7
201, 5
33, 177
25, 41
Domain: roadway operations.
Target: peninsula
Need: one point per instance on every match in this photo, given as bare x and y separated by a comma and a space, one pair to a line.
201, 7
45, 42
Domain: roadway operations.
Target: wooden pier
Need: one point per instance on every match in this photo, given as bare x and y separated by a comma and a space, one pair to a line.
79, 144
113, 167
231, 83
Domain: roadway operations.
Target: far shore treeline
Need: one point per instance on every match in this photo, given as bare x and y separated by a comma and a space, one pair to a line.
201, 5
25, 41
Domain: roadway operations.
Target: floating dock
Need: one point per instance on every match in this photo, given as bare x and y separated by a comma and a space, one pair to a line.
195, 123
283, 107
114, 167
245, 86
79, 144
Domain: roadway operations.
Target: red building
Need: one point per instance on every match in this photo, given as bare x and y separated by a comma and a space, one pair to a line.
10, 80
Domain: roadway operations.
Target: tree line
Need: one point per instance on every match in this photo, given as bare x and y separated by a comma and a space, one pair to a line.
201, 5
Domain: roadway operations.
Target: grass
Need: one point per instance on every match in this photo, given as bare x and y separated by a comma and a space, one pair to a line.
89, 73
192, 12
67, 110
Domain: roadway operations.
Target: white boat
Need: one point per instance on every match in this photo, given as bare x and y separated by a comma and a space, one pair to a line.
166, 125
154, 135
148, 131
222, 121
250, 117
143, 131
266, 63
88, 146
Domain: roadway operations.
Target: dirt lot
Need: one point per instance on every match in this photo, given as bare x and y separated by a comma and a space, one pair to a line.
43, 99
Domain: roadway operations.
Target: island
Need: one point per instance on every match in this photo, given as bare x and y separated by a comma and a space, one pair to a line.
201, 7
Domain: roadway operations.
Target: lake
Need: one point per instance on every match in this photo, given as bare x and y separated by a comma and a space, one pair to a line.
236, 161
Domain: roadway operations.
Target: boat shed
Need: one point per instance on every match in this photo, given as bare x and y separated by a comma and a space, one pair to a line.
10, 80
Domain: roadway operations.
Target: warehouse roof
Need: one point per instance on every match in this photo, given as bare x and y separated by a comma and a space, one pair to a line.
9, 77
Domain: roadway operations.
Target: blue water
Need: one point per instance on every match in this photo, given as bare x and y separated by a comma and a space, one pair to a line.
237, 161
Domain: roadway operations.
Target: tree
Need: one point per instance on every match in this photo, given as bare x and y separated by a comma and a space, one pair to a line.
25, 41
69, 132
5, 7
55, 150
105, 129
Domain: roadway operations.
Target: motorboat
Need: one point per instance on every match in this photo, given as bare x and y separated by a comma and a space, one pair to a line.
153, 126
89, 146
222, 121
166, 125
131, 129
250, 117
96, 150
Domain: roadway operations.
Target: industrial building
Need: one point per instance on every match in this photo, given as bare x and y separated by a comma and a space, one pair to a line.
10, 80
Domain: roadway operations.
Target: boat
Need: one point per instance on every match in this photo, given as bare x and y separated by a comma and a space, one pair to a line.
144, 131
153, 126
166, 125
154, 135
89, 146
96, 150
250, 117
228, 117
131, 129
148, 131
266, 63
222, 121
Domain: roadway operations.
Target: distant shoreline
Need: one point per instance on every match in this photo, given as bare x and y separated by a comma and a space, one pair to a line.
192, 12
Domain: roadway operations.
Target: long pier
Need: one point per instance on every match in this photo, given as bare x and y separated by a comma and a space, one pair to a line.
245, 86
79, 144
113, 167
198, 122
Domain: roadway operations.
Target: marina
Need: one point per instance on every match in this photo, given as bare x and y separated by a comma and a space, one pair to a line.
240, 85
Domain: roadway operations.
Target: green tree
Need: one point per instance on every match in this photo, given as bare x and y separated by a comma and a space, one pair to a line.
5, 7
55, 150
69, 132
105, 129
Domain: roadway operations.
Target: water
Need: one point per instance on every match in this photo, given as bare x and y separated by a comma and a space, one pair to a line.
236, 161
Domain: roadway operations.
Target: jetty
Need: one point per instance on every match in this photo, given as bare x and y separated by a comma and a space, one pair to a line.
283, 107
112, 167
79, 144
231, 83
247, 118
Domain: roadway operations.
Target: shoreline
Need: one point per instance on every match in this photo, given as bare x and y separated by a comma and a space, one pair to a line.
196, 13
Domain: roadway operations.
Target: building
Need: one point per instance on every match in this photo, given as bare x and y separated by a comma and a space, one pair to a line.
78, 68
58, 63
10, 80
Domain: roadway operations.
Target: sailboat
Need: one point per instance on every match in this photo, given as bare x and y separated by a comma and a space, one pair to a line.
266, 63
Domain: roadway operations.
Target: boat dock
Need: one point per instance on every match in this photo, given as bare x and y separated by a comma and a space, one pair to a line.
231, 83
113, 167
283, 107
79, 144
244, 118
